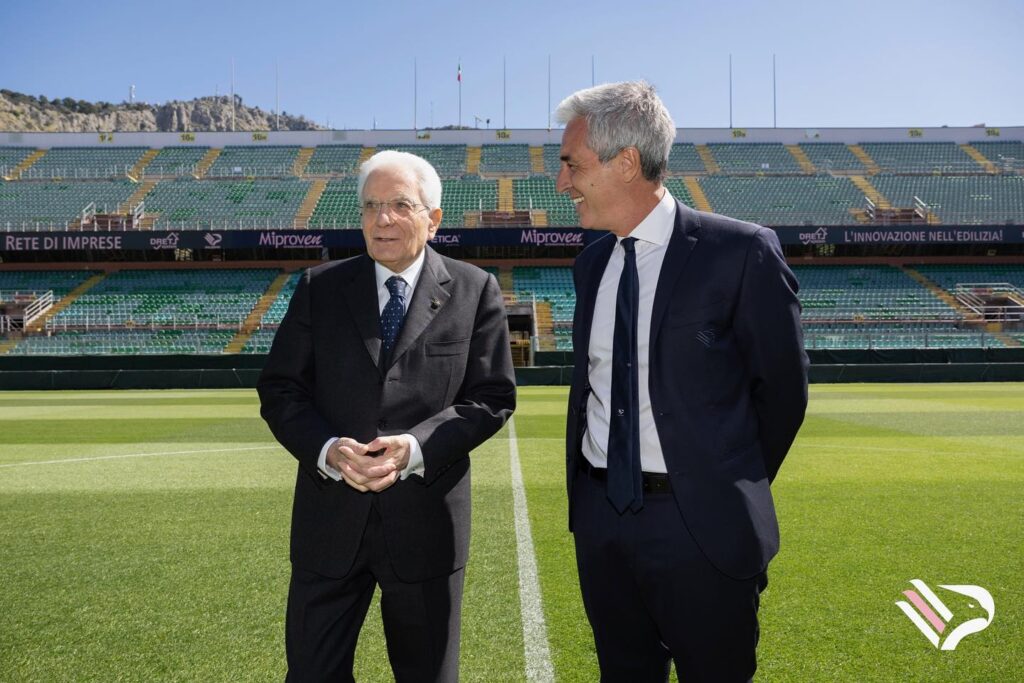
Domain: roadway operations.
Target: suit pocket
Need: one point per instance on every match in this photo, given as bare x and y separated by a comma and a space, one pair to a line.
454, 347
686, 316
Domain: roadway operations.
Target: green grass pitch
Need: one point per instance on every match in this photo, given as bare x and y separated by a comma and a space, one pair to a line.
143, 537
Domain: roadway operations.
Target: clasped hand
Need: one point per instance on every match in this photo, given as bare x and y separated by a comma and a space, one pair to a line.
370, 467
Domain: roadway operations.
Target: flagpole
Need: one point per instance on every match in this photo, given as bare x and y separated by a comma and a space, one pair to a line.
414, 93
549, 92
504, 95
460, 91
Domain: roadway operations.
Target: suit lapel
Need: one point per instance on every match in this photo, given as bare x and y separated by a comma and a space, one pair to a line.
360, 294
429, 297
588, 297
684, 238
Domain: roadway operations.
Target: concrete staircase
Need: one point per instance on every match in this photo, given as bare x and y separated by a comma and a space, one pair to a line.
700, 200
39, 324
302, 160
366, 154
308, 206
206, 162
709, 159
865, 158
536, 160
940, 293
142, 163
506, 201
25, 164
973, 153
252, 321
140, 193
545, 327
865, 186
505, 280
539, 218
6, 345
473, 160
801, 158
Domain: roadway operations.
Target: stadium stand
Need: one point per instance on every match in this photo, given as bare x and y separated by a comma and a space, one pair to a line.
449, 160
175, 161
921, 157
781, 200
684, 159
174, 298
832, 157
85, 162
553, 286
334, 160
1007, 156
10, 157
249, 161
60, 282
753, 157
502, 159
863, 293
468, 194
538, 192
124, 342
28, 205
338, 206
226, 204
902, 336
977, 199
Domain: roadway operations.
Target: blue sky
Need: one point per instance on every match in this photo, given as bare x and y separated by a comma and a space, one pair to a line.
858, 64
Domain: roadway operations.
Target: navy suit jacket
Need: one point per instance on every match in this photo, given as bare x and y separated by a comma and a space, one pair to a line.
727, 380
449, 382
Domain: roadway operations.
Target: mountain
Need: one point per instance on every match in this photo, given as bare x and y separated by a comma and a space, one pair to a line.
19, 112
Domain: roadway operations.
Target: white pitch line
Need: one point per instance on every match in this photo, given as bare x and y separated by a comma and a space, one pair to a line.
535, 633
136, 455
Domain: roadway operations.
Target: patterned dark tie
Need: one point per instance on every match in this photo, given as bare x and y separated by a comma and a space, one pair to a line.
393, 314
625, 486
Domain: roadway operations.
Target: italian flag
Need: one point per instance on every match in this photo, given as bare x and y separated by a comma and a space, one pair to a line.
458, 75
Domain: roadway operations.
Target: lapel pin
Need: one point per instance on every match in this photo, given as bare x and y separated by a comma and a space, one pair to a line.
435, 304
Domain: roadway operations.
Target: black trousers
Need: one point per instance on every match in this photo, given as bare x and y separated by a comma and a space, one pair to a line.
652, 597
325, 614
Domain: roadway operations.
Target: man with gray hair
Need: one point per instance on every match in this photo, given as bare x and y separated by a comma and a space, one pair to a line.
387, 370
689, 386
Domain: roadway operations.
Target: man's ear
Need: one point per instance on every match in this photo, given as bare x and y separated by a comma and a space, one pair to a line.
435, 220
628, 164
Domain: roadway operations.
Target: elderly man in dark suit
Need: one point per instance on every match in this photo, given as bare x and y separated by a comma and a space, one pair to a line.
387, 370
689, 386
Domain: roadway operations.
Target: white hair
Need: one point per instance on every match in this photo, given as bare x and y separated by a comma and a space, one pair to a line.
621, 115
426, 177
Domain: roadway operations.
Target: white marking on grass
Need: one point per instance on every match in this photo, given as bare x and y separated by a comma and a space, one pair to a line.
535, 632
137, 455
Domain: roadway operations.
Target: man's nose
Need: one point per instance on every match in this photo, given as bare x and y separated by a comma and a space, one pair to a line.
383, 215
562, 183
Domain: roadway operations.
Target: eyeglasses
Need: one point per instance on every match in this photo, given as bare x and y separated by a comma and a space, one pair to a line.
400, 208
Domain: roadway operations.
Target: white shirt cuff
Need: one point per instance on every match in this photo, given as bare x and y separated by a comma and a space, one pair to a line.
416, 465
321, 463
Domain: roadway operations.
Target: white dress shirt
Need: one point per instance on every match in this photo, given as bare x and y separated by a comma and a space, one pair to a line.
652, 236
411, 275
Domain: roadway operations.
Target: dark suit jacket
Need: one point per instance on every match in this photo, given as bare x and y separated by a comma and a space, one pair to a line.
727, 381
449, 382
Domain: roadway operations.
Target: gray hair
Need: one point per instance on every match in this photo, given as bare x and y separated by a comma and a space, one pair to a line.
621, 115
426, 176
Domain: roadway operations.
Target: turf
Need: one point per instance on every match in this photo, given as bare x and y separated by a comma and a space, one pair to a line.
155, 547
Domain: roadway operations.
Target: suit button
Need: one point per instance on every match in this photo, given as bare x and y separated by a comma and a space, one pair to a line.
382, 424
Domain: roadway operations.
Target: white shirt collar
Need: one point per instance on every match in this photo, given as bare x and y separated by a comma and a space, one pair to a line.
410, 274
656, 227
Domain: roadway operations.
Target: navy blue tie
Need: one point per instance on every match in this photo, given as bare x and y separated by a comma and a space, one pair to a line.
393, 314
625, 485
